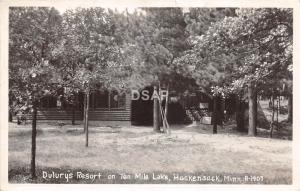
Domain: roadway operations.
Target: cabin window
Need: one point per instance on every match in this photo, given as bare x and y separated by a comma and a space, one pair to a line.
117, 100
48, 102
106, 99
99, 99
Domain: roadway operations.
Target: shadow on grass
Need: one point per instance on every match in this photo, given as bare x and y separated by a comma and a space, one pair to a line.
283, 132
25, 133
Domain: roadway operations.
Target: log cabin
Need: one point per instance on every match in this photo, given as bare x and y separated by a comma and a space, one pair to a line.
108, 106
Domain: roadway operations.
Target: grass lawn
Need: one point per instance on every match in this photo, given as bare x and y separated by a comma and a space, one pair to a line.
189, 151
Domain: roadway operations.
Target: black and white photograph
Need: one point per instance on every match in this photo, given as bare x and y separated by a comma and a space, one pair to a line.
150, 95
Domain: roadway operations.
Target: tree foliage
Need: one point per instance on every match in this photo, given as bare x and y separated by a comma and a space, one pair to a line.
224, 48
34, 35
252, 45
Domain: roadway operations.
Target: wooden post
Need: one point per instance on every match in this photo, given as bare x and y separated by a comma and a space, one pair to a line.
87, 118
155, 112
215, 122
33, 140
162, 116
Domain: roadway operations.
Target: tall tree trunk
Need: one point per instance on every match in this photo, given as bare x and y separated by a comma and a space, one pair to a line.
215, 121
273, 115
222, 111
238, 114
156, 112
10, 117
255, 109
160, 114
166, 111
84, 113
33, 140
73, 107
252, 96
290, 108
73, 113
277, 113
87, 118
242, 116
279, 102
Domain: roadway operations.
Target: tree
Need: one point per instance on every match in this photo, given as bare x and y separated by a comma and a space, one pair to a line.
259, 42
34, 32
93, 53
159, 35
244, 50
267, 51
197, 63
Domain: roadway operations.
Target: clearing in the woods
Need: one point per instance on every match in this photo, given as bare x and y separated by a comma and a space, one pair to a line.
189, 150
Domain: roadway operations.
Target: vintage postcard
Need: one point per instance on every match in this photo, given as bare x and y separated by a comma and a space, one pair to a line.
149, 95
